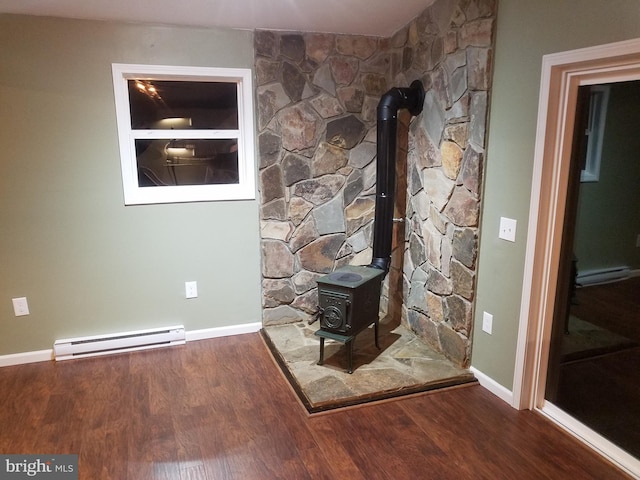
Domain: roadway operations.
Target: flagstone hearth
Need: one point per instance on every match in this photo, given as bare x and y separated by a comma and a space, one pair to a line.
404, 365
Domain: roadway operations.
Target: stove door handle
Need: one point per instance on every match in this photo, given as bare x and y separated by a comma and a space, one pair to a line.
347, 317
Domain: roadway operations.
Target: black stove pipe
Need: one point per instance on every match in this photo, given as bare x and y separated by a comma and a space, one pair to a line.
412, 99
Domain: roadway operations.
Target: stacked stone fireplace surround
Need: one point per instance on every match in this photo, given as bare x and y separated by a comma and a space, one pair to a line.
316, 100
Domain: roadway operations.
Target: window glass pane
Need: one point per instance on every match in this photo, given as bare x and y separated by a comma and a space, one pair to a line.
166, 162
187, 129
171, 105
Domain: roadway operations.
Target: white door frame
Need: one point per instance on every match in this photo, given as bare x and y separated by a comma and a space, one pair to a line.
562, 74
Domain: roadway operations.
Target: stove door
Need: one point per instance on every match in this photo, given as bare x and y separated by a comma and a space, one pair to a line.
335, 311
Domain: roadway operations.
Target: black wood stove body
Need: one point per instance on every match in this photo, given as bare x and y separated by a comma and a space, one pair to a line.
349, 301
349, 297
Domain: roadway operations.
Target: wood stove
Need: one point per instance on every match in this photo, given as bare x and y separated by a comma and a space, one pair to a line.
349, 301
349, 298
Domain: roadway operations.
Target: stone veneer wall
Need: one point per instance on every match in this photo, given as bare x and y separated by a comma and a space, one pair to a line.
317, 96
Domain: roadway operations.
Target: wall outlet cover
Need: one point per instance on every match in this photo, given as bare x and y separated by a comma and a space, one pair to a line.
507, 229
191, 289
20, 306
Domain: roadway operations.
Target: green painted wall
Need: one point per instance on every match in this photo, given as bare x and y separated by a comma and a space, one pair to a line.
87, 263
526, 31
609, 209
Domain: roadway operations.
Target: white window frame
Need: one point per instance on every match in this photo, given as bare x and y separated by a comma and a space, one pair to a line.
136, 195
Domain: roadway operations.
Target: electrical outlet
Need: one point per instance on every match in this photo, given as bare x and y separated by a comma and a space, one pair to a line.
191, 289
507, 229
20, 306
487, 322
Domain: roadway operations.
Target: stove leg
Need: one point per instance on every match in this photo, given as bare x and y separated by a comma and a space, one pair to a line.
350, 342
375, 329
321, 361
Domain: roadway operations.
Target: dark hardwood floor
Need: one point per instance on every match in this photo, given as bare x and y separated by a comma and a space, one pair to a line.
220, 409
613, 306
603, 391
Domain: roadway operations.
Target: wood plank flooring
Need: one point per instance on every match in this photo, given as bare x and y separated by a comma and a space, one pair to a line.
220, 409
603, 392
613, 306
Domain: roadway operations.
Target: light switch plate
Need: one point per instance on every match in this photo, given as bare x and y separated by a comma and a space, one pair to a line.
487, 322
507, 229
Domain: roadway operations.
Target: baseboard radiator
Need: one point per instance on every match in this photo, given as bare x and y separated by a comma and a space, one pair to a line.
604, 275
117, 343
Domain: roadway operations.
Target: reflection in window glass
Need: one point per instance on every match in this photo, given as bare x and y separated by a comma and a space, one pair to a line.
166, 162
169, 105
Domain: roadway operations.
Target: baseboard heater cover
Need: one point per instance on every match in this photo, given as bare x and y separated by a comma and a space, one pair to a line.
119, 342
604, 275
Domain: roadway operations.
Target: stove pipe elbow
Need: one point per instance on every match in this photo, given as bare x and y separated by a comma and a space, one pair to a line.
412, 99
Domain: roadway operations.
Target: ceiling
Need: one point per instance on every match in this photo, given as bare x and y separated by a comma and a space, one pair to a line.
363, 17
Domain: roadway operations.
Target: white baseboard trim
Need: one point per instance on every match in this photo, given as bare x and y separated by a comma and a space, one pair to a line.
223, 331
602, 445
493, 386
47, 355
26, 357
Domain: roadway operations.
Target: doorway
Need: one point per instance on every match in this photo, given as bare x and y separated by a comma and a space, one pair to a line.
563, 75
595, 341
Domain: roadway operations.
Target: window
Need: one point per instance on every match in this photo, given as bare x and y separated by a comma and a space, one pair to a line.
598, 102
186, 133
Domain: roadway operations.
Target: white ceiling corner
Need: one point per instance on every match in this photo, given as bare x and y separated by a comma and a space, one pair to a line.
362, 17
